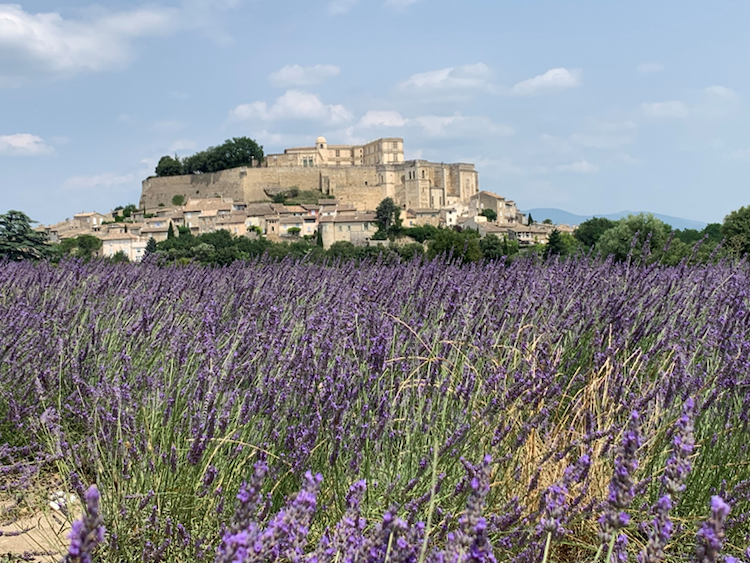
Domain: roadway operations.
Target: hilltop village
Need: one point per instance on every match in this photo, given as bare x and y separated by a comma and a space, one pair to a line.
328, 192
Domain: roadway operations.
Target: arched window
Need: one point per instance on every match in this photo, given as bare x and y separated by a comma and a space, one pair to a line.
422, 173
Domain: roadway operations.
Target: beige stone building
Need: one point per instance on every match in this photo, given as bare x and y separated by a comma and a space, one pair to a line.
357, 228
118, 240
357, 175
381, 151
505, 209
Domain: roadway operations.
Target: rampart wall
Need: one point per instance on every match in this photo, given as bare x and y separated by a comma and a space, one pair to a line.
352, 185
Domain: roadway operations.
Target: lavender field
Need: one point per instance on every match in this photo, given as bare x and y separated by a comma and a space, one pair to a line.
420, 412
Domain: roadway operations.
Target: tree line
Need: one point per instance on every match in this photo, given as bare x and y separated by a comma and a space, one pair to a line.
636, 237
238, 151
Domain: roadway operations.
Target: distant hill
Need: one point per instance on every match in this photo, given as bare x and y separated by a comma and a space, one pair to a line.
560, 216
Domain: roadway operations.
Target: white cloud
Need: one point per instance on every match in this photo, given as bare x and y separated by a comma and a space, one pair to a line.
471, 76
503, 166
552, 80
615, 125
740, 154
293, 104
580, 167
295, 75
337, 7
626, 158
721, 92
649, 68
399, 4
182, 145
106, 180
382, 118
673, 108
168, 126
48, 43
457, 125
24, 144
600, 141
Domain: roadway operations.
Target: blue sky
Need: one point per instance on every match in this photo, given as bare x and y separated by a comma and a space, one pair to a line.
592, 107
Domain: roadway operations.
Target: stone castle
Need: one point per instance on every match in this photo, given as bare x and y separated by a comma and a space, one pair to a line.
357, 175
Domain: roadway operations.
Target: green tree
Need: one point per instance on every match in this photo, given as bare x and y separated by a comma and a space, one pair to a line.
530, 221
387, 215
170, 231
422, 233
169, 166
238, 151
195, 164
18, 241
570, 242
178, 200
688, 236
494, 247
119, 257
87, 246
736, 231
129, 209
410, 251
342, 249
630, 235
151, 247
713, 231
590, 231
463, 245
294, 231
547, 222
490, 214
555, 245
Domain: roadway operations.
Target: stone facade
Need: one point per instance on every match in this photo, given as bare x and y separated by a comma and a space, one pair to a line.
358, 175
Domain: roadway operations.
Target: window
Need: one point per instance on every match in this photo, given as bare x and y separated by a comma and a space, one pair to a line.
341, 228
365, 226
422, 173
338, 153
395, 145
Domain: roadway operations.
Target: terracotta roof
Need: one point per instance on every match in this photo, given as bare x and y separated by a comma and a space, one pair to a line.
232, 219
292, 219
357, 218
292, 209
119, 236
258, 209
207, 204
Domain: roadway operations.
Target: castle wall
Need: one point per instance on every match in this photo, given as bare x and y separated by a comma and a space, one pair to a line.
414, 184
160, 191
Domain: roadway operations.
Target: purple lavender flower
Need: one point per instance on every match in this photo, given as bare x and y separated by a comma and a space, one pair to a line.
678, 466
554, 502
683, 443
710, 538
86, 533
621, 489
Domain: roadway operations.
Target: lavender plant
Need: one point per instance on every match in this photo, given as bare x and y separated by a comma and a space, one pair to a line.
170, 387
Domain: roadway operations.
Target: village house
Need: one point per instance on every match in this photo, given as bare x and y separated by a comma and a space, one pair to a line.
356, 228
118, 240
